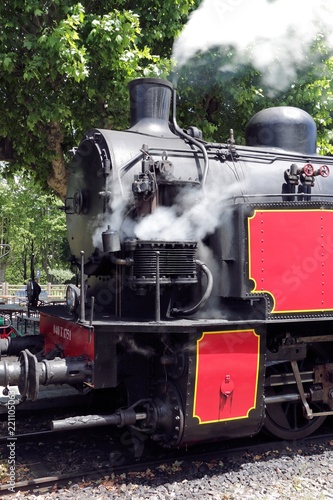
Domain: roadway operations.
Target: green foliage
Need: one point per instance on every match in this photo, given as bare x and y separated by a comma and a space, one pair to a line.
60, 276
216, 99
69, 62
32, 224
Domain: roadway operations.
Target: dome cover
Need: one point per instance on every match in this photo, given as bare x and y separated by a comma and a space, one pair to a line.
284, 127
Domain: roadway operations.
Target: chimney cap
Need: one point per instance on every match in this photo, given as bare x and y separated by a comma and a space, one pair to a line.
150, 81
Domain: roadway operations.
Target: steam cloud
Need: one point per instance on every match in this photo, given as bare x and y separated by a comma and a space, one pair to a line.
273, 35
193, 216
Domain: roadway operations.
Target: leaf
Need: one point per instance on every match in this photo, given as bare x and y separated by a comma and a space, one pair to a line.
7, 62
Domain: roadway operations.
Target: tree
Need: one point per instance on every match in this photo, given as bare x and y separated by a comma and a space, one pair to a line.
64, 66
216, 100
32, 224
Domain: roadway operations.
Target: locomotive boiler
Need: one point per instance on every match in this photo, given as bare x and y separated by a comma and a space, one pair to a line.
203, 308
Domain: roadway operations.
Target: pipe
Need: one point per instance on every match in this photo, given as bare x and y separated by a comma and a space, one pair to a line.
283, 398
82, 292
121, 262
92, 311
111, 245
205, 297
119, 418
126, 166
186, 136
158, 290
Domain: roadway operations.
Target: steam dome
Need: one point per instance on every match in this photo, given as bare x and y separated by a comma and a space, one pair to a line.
283, 127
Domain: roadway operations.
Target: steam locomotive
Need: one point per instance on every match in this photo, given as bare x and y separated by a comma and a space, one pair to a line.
203, 308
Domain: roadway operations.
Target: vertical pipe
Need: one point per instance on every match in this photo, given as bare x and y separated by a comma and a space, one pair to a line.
181, 133
92, 310
157, 298
82, 294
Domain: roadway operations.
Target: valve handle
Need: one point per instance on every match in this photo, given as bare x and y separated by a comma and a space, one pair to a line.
324, 171
308, 170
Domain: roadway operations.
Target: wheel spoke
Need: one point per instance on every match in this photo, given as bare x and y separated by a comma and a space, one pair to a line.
286, 420
280, 415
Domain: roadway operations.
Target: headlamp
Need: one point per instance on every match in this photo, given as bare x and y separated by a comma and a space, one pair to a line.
72, 298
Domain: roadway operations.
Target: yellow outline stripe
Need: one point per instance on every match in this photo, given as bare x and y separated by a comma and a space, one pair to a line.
261, 292
250, 330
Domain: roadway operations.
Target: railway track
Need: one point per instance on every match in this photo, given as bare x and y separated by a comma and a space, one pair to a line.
72, 456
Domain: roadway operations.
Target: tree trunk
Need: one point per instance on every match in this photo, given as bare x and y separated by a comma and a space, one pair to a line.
57, 180
6, 150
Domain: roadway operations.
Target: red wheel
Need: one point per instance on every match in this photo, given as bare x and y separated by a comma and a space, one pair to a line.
324, 171
308, 170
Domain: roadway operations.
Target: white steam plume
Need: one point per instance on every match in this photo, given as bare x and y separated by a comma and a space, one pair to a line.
194, 215
273, 35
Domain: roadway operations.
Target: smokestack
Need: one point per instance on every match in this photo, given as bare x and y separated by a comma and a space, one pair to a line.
150, 100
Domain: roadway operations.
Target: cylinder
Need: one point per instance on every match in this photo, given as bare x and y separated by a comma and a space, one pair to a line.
111, 241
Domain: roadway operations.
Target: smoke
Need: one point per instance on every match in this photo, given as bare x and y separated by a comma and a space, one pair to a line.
274, 36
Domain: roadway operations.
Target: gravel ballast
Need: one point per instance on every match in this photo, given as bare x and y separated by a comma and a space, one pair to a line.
289, 472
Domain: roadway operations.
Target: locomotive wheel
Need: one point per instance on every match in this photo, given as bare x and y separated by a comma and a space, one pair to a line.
286, 420
170, 416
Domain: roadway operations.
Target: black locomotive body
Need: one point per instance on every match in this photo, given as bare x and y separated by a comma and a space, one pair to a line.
205, 296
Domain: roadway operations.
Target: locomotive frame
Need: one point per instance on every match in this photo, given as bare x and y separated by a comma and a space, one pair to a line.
203, 307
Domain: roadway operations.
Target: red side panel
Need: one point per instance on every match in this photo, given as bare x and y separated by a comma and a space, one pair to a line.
226, 375
74, 339
291, 258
